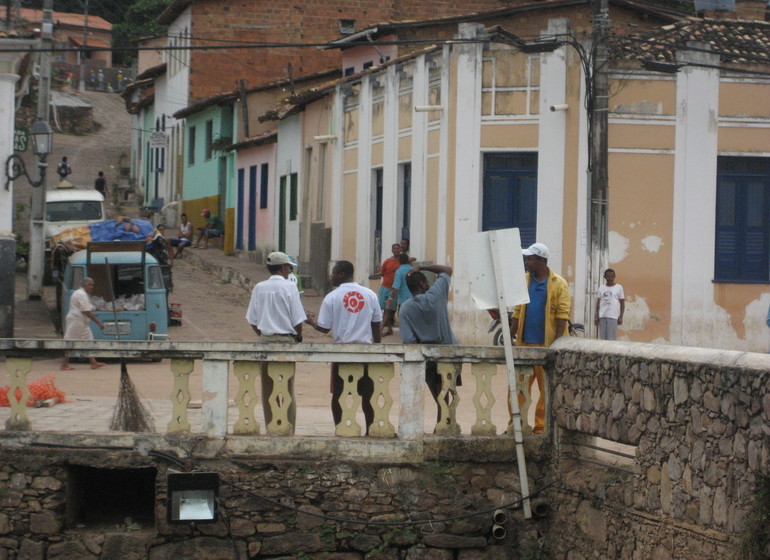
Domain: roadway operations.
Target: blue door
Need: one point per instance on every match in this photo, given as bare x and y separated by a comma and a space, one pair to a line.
240, 216
510, 194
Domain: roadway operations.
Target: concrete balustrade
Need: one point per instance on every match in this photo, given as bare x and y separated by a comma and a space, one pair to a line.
397, 373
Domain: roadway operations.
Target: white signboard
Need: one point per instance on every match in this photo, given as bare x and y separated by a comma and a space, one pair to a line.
506, 244
158, 139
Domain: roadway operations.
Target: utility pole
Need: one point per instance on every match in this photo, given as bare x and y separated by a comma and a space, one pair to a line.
37, 209
82, 52
598, 218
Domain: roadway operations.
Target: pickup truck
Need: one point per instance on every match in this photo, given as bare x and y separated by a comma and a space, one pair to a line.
130, 294
67, 207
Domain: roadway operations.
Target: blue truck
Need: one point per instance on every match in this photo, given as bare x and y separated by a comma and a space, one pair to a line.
130, 294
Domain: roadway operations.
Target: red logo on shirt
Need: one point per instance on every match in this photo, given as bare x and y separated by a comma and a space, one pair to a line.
353, 302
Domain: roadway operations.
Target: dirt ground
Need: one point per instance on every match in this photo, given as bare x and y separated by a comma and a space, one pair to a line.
105, 149
213, 310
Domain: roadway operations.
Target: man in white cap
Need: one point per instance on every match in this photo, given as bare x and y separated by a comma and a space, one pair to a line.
544, 318
275, 313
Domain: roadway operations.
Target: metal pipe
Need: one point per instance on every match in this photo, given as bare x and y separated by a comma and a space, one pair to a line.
540, 510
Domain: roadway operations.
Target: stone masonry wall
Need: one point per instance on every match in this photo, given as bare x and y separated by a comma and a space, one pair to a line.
699, 420
34, 496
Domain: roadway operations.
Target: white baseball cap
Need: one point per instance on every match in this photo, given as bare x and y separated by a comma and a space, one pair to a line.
537, 249
277, 258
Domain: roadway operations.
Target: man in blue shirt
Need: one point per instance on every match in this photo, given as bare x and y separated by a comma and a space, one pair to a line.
544, 318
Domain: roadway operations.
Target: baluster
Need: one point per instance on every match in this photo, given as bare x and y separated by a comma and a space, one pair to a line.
381, 374
411, 420
525, 375
279, 420
447, 424
484, 399
214, 407
245, 399
180, 394
18, 369
349, 400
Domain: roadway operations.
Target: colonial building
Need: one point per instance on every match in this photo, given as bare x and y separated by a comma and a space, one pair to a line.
484, 135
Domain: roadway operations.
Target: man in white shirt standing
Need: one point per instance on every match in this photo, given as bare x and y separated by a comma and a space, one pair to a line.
275, 313
352, 312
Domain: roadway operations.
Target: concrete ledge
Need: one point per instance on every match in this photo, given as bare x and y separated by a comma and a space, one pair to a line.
366, 450
682, 354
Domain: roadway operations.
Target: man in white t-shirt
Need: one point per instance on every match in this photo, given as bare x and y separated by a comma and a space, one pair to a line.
610, 306
275, 313
352, 312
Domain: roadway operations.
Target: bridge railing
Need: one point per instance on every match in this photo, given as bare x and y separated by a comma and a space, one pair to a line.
397, 372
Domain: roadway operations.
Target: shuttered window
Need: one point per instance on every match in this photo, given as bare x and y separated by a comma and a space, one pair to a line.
742, 244
510, 194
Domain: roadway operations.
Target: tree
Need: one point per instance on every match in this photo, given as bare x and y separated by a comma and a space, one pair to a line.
110, 10
131, 20
140, 20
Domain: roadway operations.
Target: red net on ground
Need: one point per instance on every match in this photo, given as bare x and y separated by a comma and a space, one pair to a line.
39, 390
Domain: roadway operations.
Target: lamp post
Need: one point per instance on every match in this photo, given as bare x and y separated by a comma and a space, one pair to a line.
42, 141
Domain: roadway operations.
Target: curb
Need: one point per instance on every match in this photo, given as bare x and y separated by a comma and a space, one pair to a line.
226, 273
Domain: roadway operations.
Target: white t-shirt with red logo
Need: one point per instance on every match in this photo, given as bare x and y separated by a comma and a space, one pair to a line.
349, 312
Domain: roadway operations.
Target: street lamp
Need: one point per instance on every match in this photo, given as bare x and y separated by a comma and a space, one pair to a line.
42, 142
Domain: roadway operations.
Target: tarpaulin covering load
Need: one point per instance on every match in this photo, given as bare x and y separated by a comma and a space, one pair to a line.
77, 238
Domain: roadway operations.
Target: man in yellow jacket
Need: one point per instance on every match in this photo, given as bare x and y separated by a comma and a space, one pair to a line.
544, 318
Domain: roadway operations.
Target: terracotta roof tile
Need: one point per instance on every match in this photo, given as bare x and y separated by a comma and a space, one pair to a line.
737, 42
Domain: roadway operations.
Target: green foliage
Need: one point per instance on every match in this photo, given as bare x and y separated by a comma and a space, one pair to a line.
440, 469
140, 20
110, 10
754, 541
535, 549
22, 247
326, 533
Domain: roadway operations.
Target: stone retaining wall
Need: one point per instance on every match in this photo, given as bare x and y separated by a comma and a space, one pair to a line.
34, 510
699, 421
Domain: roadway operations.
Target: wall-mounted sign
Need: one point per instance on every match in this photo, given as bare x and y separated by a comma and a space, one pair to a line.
20, 140
158, 139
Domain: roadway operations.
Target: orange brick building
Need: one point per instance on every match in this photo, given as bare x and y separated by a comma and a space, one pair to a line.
222, 22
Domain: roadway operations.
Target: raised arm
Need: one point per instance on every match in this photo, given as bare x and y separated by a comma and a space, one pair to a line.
434, 268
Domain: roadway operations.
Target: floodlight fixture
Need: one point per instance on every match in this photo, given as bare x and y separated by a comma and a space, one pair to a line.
192, 497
